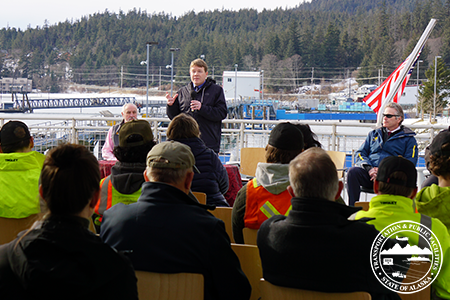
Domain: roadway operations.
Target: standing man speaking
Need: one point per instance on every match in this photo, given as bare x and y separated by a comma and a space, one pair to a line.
204, 100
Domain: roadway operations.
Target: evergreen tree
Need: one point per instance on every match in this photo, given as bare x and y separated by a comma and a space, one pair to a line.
426, 91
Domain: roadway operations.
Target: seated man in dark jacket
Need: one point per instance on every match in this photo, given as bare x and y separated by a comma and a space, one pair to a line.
168, 232
316, 247
59, 258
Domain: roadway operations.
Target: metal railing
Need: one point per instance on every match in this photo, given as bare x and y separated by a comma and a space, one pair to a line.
236, 134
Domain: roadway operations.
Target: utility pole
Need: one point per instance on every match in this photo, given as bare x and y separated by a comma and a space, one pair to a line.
349, 84
148, 62
121, 77
235, 82
312, 80
417, 102
172, 50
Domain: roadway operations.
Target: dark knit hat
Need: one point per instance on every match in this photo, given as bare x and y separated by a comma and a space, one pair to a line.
436, 145
392, 164
14, 132
135, 127
286, 136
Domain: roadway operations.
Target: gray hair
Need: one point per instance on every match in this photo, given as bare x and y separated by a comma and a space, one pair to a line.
124, 107
166, 175
313, 174
398, 108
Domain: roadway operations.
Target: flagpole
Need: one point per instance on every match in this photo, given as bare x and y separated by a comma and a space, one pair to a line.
409, 63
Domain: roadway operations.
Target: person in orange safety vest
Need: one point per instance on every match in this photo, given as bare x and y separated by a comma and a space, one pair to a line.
265, 195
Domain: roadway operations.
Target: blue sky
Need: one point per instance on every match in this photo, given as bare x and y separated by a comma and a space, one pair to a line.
21, 14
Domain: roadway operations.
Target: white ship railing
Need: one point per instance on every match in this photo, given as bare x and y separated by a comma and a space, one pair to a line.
344, 136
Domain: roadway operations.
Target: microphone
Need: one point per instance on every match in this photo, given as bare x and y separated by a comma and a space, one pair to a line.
193, 96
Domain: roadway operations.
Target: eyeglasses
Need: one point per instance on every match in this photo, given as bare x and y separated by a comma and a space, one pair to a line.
390, 116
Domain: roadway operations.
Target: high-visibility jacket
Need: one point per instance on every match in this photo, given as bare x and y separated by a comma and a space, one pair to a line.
261, 204
19, 183
388, 209
109, 196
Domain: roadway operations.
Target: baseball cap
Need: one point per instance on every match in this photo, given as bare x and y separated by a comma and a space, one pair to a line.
135, 127
286, 136
175, 155
436, 145
14, 132
392, 164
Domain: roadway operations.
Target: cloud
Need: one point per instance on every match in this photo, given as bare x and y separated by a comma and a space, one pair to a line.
410, 250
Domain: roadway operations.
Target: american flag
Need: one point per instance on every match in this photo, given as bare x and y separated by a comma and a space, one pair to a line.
376, 99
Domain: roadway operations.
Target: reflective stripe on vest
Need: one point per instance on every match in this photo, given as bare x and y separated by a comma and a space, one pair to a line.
261, 205
105, 197
269, 210
109, 197
426, 222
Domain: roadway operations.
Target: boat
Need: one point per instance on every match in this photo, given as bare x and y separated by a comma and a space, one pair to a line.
398, 274
418, 258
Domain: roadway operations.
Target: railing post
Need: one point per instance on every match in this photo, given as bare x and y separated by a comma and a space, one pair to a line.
431, 134
333, 138
156, 134
74, 132
241, 137
353, 157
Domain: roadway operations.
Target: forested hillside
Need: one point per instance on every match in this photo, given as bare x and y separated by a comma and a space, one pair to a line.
324, 39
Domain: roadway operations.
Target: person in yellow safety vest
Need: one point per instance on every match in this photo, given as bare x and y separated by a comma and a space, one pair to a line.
396, 186
434, 200
124, 183
20, 168
266, 195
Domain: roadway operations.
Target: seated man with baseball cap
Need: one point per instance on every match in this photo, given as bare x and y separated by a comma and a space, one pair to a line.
396, 187
124, 183
167, 231
20, 168
266, 195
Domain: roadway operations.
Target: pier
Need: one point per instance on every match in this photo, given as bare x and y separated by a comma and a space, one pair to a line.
31, 104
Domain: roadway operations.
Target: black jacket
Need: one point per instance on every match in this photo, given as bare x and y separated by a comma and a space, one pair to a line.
62, 259
213, 177
168, 232
210, 115
317, 248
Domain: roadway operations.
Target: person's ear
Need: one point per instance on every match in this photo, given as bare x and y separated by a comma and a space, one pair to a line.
376, 184
188, 180
338, 194
145, 175
413, 194
31, 142
95, 199
41, 193
290, 191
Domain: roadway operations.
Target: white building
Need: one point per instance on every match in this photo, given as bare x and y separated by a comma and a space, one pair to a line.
8, 85
241, 85
409, 95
